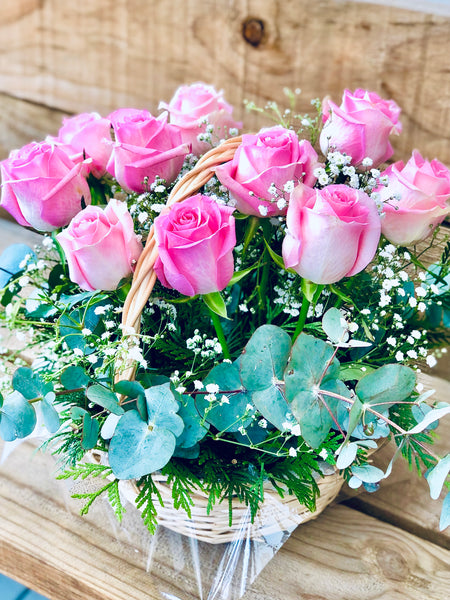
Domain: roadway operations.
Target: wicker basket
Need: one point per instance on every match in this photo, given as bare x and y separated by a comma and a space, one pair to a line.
276, 514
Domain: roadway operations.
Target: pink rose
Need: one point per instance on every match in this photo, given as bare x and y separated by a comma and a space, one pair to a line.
101, 247
195, 240
331, 233
361, 126
415, 200
42, 187
86, 136
196, 106
145, 147
261, 168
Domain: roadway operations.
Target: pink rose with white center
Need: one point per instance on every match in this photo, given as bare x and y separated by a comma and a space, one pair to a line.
261, 168
416, 199
86, 135
101, 246
42, 187
361, 126
331, 233
145, 147
195, 240
196, 107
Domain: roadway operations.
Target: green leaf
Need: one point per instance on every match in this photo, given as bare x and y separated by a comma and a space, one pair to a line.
309, 358
104, 397
194, 427
354, 372
238, 275
277, 259
17, 417
444, 521
74, 378
49, 413
437, 475
333, 327
134, 390
162, 409
311, 364
137, 448
388, 384
355, 415
346, 455
89, 434
30, 384
368, 473
226, 416
216, 303
264, 358
273, 406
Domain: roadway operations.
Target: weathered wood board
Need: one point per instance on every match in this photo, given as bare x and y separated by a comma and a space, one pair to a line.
66, 57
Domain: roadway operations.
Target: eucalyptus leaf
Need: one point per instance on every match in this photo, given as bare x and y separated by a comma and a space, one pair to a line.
264, 358
162, 409
17, 417
194, 427
74, 377
30, 384
223, 415
389, 384
433, 415
333, 326
437, 475
50, 415
346, 455
89, 434
272, 404
444, 521
104, 397
137, 448
368, 473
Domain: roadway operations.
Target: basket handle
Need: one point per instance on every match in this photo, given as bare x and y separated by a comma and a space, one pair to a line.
144, 277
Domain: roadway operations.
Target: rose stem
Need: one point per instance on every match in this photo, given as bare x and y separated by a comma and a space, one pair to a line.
301, 318
220, 334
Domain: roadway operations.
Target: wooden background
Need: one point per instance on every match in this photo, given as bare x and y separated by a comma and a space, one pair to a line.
60, 57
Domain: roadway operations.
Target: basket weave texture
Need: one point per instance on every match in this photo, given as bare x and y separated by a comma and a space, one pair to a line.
277, 513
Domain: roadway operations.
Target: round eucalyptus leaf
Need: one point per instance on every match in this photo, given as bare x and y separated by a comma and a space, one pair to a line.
137, 449
17, 417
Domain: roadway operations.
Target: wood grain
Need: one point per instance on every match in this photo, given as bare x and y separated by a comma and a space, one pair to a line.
75, 56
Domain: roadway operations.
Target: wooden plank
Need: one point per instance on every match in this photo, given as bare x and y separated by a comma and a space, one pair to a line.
342, 555
74, 57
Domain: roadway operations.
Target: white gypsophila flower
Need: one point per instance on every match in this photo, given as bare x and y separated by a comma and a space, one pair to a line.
416, 334
421, 307
262, 423
412, 354
289, 186
323, 454
281, 203
273, 190
224, 399
391, 341
212, 388
262, 210
292, 452
319, 172
367, 162
412, 302
198, 385
420, 292
86, 331
399, 356
323, 179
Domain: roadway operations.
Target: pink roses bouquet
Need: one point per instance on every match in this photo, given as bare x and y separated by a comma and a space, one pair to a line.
285, 306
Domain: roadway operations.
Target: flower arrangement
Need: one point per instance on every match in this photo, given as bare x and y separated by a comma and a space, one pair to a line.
284, 302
